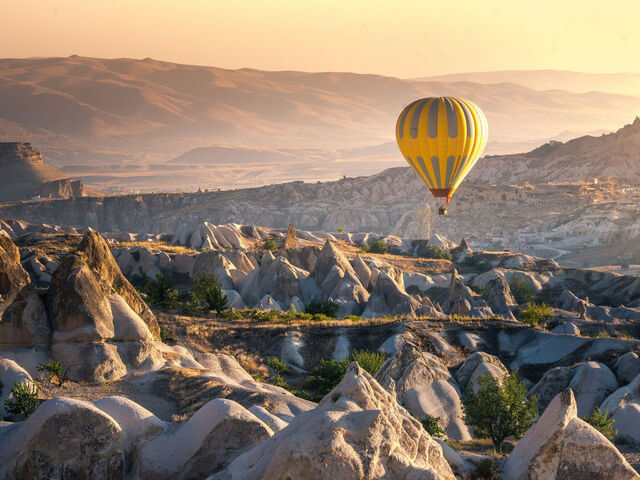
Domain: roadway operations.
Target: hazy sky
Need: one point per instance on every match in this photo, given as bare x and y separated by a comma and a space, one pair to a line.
404, 38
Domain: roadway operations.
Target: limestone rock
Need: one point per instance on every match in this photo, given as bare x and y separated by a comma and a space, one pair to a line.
498, 296
362, 270
79, 284
217, 433
560, 446
566, 328
291, 240
627, 367
423, 385
64, 438
476, 365
623, 406
592, 382
23, 320
388, 298
357, 431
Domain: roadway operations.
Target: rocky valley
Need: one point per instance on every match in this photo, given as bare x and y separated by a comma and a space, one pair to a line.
151, 385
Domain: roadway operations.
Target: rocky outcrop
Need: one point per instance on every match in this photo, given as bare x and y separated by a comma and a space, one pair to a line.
498, 296
389, 298
291, 240
64, 438
592, 382
23, 320
627, 367
560, 446
99, 322
357, 431
423, 385
218, 432
477, 365
623, 406
337, 280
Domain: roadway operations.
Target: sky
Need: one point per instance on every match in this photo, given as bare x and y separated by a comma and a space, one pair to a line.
402, 38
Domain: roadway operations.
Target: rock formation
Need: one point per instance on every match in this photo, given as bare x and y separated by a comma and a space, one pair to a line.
357, 431
560, 446
423, 385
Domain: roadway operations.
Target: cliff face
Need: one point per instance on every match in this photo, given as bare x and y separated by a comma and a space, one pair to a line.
25, 175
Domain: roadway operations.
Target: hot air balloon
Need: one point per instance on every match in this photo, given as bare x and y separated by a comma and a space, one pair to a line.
442, 138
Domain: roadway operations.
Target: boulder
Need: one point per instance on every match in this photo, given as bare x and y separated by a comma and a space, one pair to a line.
64, 438
357, 431
561, 446
627, 367
566, 328
623, 406
476, 365
423, 385
10, 248
592, 382
217, 433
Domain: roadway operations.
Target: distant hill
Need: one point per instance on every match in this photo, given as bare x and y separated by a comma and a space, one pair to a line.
579, 82
25, 176
119, 123
616, 155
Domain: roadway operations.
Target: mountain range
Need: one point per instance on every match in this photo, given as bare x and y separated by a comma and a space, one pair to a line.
120, 123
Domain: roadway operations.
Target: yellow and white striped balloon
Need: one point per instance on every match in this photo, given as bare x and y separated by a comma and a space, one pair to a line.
442, 139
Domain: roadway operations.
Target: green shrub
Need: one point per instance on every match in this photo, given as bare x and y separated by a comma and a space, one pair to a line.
437, 252
498, 411
600, 421
378, 246
328, 308
479, 289
166, 334
368, 360
327, 375
53, 369
432, 426
159, 292
535, 315
602, 333
522, 291
270, 244
474, 261
340, 230
23, 399
208, 290
278, 365
487, 469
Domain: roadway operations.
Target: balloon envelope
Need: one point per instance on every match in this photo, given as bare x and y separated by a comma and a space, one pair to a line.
442, 138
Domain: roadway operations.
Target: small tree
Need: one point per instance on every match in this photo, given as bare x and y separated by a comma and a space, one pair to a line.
498, 411
54, 369
23, 399
432, 426
534, 314
437, 252
270, 244
379, 246
278, 365
328, 308
160, 292
522, 291
600, 421
327, 375
207, 289
368, 360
